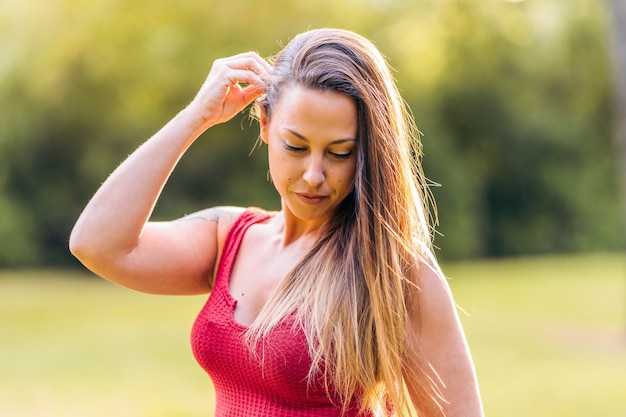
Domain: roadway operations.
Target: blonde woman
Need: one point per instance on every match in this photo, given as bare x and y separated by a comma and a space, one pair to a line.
332, 306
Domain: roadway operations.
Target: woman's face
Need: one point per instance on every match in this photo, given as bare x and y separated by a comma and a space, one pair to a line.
311, 138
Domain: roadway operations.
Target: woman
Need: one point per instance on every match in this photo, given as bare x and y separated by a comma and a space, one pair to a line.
332, 306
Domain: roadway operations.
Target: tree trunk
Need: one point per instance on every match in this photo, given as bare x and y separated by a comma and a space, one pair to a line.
617, 13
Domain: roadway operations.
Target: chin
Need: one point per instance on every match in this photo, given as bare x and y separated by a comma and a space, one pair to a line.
314, 214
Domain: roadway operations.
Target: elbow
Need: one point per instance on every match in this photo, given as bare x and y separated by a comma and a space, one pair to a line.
95, 252
76, 245
87, 252
80, 246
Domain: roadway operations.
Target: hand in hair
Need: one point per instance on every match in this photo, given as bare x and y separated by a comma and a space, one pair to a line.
231, 85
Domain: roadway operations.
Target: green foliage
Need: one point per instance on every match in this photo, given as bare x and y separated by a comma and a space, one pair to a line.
514, 100
518, 126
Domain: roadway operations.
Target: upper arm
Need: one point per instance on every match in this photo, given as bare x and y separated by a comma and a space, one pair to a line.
438, 333
173, 257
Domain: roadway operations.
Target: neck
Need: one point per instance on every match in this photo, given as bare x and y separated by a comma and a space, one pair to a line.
296, 230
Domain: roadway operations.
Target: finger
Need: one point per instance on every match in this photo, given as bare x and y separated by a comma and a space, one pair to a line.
262, 63
241, 97
250, 93
258, 61
248, 61
234, 77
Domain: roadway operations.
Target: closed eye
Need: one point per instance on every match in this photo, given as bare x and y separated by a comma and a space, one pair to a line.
341, 155
293, 148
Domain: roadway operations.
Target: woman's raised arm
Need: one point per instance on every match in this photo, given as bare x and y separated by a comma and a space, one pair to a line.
113, 236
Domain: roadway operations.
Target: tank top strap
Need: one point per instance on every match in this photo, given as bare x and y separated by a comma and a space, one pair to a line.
250, 216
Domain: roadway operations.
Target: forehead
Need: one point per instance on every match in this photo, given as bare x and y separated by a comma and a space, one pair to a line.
317, 113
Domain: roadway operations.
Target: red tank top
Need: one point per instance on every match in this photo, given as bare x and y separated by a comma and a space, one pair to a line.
272, 381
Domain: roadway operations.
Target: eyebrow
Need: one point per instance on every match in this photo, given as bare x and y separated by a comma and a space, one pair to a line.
303, 138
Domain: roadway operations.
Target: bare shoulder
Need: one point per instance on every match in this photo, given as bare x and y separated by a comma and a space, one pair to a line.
438, 332
434, 291
436, 314
218, 220
215, 214
222, 216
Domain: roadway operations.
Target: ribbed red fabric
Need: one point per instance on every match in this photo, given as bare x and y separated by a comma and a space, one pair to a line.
272, 380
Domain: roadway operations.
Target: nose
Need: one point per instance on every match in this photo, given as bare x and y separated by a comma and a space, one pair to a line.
314, 174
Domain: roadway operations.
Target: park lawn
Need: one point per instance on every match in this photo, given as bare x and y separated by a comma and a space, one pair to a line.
548, 337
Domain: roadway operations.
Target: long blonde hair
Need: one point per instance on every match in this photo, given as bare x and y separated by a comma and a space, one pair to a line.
350, 292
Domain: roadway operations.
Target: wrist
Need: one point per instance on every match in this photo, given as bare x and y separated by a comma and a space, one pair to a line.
195, 119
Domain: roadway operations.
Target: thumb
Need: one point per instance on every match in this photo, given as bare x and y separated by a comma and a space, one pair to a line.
250, 93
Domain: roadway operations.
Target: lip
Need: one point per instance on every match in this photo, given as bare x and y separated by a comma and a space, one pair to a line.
312, 199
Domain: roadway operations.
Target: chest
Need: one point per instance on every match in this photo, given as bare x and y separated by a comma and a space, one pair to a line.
259, 269
275, 369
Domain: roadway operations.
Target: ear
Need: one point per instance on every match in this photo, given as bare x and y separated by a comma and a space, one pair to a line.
264, 125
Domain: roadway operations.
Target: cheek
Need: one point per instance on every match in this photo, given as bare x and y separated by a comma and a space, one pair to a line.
350, 174
345, 178
280, 169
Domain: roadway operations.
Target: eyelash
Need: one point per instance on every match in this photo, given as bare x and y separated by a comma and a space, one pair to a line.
334, 155
341, 155
293, 148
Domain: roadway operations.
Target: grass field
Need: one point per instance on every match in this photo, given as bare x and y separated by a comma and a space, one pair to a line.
548, 337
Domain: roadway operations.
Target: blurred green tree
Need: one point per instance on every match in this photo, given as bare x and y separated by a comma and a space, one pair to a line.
516, 103
514, 100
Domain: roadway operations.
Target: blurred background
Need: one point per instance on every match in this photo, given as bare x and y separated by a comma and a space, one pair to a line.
515, 101
518, 103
